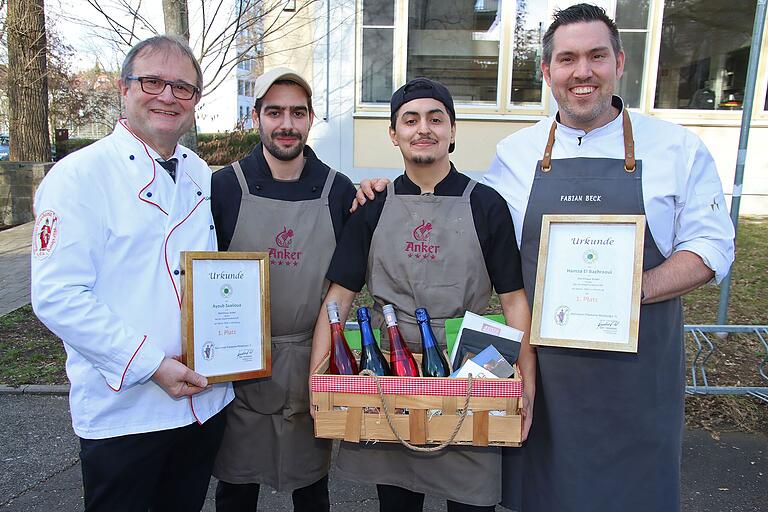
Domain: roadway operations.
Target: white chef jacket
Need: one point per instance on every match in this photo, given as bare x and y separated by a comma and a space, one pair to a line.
683, 197
108, 281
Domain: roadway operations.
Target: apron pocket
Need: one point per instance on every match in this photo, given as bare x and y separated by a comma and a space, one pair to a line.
265, 396
298, 385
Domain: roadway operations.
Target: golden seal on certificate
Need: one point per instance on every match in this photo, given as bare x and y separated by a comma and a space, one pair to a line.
588, 282
225, 315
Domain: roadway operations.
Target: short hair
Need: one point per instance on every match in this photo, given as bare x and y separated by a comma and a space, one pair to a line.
260, 101
155, 44
579, 13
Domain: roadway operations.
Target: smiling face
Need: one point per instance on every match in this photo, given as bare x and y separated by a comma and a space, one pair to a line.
161, 119
583, 74
423, 132
284, 121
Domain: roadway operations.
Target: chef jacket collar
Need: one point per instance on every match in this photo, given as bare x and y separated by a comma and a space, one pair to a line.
597, 132
132, 138
408, 187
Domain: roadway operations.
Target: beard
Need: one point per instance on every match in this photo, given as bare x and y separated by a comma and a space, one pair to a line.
424, 159
283, 154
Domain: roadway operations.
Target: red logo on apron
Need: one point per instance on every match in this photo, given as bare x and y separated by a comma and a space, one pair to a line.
421, 249
281, 255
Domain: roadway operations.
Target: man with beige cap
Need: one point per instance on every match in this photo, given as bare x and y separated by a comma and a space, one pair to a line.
280, 199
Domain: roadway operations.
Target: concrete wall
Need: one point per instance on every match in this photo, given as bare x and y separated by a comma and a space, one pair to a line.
18, 183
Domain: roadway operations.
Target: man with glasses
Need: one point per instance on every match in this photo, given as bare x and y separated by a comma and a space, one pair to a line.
116, 216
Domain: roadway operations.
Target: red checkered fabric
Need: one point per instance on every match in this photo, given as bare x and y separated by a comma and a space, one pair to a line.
498, 388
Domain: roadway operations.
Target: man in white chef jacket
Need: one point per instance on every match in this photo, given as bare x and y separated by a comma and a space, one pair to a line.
105, 279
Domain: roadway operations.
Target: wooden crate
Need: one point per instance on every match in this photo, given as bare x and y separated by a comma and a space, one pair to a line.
347, 405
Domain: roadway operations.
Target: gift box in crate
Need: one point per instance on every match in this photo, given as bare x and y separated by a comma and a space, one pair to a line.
423, 410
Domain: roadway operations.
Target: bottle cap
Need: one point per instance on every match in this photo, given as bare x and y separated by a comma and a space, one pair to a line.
333, 312
363, 314
389, 314
422, 315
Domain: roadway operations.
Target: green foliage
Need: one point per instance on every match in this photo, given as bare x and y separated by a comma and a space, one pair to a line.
65, 147
225, 148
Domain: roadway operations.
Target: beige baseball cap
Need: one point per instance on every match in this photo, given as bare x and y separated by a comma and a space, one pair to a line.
265, 81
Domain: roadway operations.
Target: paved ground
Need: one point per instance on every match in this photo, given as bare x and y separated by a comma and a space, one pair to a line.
14, 267
40, 472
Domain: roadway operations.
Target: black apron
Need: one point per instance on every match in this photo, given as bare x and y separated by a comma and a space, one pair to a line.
607, 428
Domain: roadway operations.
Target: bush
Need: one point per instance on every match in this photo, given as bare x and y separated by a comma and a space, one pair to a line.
65, 147
225, 148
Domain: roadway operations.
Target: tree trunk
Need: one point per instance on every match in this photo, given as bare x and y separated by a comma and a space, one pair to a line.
176, 17
27, 82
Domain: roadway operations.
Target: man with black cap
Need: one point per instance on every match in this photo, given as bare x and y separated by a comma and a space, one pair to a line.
283, 200
472, 229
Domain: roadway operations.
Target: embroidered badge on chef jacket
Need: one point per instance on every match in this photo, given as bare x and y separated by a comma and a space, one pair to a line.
46, 234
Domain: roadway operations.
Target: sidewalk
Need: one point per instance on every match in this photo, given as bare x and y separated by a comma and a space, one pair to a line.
40, 469
15, 245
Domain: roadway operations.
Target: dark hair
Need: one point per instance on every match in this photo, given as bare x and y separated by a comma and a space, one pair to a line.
260, 101
158, 43
580, 13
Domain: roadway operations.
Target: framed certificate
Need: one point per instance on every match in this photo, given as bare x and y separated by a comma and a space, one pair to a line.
225, 314
588, 282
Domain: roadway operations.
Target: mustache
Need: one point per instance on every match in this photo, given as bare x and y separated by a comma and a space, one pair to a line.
286, 133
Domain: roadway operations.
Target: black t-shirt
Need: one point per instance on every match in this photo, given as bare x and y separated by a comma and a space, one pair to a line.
226, 192
493, 225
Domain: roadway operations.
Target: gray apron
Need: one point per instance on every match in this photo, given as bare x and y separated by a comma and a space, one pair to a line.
607, 426
425, 253
269, 437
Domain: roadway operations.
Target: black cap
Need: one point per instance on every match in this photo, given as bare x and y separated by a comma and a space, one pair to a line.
422, 88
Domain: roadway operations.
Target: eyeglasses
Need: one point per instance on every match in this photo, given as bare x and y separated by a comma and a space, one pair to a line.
152, 85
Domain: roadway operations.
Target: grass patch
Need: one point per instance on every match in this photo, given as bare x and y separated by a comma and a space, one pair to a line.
29, 353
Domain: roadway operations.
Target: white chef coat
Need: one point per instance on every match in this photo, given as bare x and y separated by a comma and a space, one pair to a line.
108, 283
684, 203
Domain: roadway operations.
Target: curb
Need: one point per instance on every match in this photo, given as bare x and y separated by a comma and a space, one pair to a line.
35, 389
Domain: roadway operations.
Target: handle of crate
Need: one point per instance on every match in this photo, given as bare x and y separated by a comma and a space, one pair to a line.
418, 419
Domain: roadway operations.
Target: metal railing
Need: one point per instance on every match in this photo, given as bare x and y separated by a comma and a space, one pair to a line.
706, 339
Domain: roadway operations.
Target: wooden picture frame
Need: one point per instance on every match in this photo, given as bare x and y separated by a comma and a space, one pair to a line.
588, 282
225, 324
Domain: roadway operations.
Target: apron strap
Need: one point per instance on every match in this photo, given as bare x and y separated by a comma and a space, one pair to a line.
390, 190
241, 178
468, 189
629, 145
328, 184
546, 162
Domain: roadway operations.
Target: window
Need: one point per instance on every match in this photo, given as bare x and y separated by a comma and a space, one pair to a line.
526, 84
632, 20
704, 52
457, 43
377, 60
241, 87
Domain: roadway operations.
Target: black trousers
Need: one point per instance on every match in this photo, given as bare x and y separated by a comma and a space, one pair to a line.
398, 499
245, 497
160, 471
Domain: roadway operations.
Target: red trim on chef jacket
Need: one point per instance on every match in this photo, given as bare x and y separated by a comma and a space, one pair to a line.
128, 366
154, 168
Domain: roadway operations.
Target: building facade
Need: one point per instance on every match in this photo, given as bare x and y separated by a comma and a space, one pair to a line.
686, 63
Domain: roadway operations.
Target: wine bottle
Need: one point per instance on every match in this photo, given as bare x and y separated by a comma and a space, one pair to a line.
371, 357
433, 363
342, 360
401, 361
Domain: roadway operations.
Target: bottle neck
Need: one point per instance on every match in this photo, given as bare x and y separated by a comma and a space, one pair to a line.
366, 334
427, 336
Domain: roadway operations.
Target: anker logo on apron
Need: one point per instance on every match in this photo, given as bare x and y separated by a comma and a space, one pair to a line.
421, 248
282, 255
